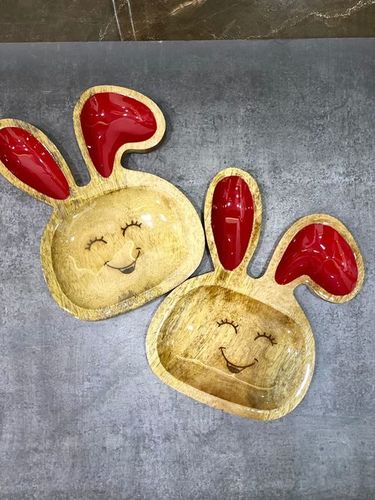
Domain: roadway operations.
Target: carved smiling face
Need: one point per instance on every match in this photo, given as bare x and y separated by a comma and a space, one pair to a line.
249, 353
118, 246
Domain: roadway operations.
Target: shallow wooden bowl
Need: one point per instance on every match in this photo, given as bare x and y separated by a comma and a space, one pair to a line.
124, 238
241, 344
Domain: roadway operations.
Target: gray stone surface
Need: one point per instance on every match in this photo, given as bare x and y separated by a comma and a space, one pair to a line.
81, 414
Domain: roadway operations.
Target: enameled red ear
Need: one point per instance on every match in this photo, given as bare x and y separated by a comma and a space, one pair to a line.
27, 159
320, 252
232, 218
109, 120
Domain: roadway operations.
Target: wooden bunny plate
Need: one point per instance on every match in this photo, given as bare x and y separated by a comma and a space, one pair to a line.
124, 238
241, 344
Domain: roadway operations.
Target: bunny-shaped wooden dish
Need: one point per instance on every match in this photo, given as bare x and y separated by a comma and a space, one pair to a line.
124, 238
241, 344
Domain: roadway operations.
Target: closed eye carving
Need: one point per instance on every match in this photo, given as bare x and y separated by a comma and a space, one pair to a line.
130, 224
228, 322
269, 337
95, 240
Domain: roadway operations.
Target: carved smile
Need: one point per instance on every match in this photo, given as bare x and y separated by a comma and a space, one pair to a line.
126, 269
235, 368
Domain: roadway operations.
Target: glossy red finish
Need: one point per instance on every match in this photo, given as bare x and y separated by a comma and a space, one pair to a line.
27, 159
232, 217
109, 121
320, 252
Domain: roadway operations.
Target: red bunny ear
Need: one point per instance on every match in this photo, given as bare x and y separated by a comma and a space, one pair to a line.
320, 252
24, 156
232, 218
110, 120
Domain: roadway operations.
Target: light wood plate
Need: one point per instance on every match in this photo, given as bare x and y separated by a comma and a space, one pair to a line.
240, 344
124, 238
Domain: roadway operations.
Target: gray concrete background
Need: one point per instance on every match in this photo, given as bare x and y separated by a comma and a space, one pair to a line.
81, 414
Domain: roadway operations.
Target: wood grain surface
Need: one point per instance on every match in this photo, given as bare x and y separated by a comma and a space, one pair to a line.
164, 239
240, 344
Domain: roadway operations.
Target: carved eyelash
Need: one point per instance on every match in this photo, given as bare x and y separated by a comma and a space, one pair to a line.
132, 223
228, 322
95, 240
267, 336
